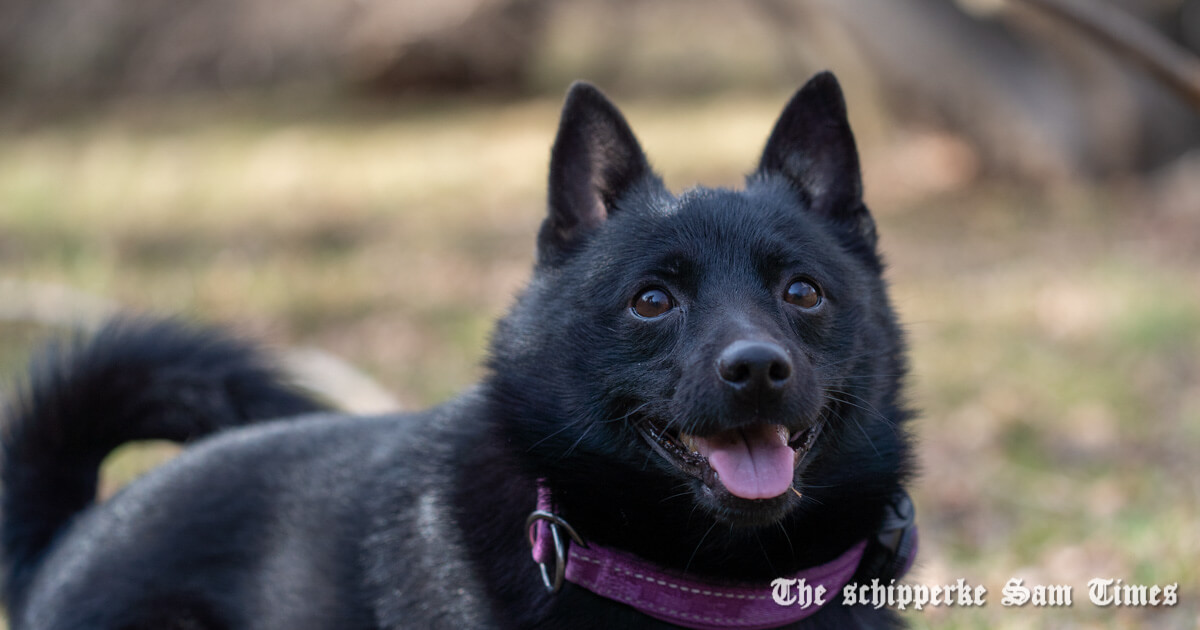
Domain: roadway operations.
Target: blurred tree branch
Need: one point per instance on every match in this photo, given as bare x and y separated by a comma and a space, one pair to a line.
1170, 63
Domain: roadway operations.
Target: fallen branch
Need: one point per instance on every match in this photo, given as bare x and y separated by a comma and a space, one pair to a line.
1174, 65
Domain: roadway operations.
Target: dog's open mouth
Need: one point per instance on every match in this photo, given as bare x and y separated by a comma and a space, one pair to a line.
752, 462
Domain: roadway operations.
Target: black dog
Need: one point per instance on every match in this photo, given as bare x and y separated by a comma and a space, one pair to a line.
699, 394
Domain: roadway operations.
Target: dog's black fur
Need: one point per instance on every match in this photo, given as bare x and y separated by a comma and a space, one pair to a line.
645, 310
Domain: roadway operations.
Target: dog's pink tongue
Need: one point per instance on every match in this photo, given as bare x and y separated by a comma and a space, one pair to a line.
752, 463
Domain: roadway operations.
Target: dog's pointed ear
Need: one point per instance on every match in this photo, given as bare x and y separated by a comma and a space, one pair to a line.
596, 160
813, 148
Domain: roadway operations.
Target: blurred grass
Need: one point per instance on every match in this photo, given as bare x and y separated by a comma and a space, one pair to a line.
1055, 337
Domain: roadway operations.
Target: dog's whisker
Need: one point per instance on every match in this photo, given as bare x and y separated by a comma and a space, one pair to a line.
698, 545
863, 430
862, 405
818, 487
766, 556
581, 437
787, 537
584, 419
630, 412
674, 496
874, 376
565, 427
685, 489
847, 359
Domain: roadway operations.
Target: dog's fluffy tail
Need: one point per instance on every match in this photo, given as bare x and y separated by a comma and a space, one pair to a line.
133, 380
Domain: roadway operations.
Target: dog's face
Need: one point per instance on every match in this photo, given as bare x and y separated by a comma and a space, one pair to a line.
727, 352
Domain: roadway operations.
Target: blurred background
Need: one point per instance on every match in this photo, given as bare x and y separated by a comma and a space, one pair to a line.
359, 183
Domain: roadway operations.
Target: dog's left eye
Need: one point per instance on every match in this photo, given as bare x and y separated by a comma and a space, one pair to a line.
652, 303
804, 294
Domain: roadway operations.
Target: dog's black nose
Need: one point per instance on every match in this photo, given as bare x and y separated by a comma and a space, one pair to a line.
754, 366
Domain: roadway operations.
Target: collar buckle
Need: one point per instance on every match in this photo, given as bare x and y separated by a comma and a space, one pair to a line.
537, 525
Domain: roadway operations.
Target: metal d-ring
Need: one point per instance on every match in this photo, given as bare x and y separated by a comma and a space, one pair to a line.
560, 552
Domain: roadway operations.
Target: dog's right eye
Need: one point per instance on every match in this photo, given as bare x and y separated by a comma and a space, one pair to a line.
652, 303
804, 294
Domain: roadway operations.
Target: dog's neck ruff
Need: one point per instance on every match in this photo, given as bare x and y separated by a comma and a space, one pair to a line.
666, 595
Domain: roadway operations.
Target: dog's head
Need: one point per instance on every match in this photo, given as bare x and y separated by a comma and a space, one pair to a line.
726, 353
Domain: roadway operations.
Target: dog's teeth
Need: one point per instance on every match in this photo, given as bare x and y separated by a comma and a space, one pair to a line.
688, 442
784, 434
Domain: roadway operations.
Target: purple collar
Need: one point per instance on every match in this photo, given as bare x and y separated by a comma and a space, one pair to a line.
667, 595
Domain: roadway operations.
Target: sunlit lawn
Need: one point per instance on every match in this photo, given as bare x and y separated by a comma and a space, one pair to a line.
1055, 337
